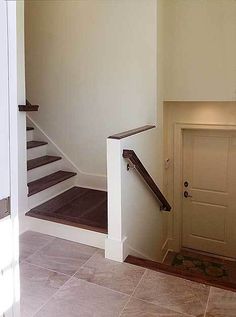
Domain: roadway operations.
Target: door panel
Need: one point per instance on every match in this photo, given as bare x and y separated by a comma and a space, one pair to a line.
207, 152
209, 213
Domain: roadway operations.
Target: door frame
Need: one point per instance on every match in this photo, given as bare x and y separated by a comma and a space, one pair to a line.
178, 175
14, 155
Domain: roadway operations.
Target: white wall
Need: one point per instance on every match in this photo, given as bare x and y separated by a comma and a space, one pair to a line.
200, 50
136, 225
91, 65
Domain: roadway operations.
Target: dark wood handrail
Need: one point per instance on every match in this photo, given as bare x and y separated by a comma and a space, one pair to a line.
128, 133
133, 158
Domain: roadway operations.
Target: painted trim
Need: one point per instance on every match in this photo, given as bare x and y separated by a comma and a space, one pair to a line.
79, 235
116, 250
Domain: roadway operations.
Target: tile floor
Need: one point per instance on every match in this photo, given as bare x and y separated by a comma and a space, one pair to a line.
65, 279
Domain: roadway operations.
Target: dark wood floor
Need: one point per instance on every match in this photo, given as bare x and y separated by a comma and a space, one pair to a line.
79, 207
227, 282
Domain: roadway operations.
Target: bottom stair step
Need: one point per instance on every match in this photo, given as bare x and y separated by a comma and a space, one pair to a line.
79, 207
48, 181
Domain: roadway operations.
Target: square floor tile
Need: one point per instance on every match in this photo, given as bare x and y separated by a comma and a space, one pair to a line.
221, 303
78, 298
138, 308
37, 286
62, 256
31, 241
122, 277
172, 292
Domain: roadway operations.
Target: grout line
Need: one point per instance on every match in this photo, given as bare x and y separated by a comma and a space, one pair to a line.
145, 270
165, 307
207, 302
45, 268
71, 277
40, 248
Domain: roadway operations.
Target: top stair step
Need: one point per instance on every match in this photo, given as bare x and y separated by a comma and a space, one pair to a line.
40, 161
33, 144
29, 128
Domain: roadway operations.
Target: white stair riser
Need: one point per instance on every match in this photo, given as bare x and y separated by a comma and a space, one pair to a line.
87, 237
30, 135
50, 192
36, 152
44, 170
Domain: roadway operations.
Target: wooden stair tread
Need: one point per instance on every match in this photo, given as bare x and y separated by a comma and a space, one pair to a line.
48, 181
28, 107
33, 144
29, 128
79, 207
40, 161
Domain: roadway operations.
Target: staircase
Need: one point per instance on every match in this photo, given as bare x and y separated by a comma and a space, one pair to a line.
56, 205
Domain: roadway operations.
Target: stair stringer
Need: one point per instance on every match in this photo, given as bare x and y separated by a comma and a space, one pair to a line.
93, 181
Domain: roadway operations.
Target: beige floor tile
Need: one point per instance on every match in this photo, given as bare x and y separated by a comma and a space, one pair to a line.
62, 256
138, 308
37, 286
79, 298
221, 303
121, 277
31, 241
174, 293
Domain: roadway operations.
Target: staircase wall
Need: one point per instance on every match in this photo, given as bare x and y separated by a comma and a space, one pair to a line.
91, 65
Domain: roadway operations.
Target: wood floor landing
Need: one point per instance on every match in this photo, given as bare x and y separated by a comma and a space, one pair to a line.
78, 207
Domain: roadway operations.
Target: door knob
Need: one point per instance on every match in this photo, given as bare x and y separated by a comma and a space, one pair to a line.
186, 194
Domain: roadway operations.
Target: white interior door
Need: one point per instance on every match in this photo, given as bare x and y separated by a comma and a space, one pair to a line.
209, 191
8, 264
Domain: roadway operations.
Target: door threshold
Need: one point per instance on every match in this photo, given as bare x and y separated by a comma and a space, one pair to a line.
217, 256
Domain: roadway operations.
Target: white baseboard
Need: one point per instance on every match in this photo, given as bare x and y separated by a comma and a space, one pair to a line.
116, 250
83, 179
140, 254
92, 238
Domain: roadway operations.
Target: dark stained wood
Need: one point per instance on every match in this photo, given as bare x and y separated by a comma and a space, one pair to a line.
125, 134
28, 108
40, 161
171, 270
48, 181
130, 155
29, 128
33, 144
78, 207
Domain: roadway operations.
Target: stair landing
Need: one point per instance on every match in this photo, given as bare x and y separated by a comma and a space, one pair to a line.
79, 207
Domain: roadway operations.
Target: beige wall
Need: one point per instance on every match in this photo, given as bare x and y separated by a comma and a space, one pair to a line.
200, 50
91, 65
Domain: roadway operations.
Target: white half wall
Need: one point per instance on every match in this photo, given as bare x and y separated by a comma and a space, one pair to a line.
136, 226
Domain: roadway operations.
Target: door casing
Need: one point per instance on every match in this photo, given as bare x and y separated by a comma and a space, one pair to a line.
176, 241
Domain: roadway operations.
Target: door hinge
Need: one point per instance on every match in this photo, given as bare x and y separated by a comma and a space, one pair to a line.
4, 207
